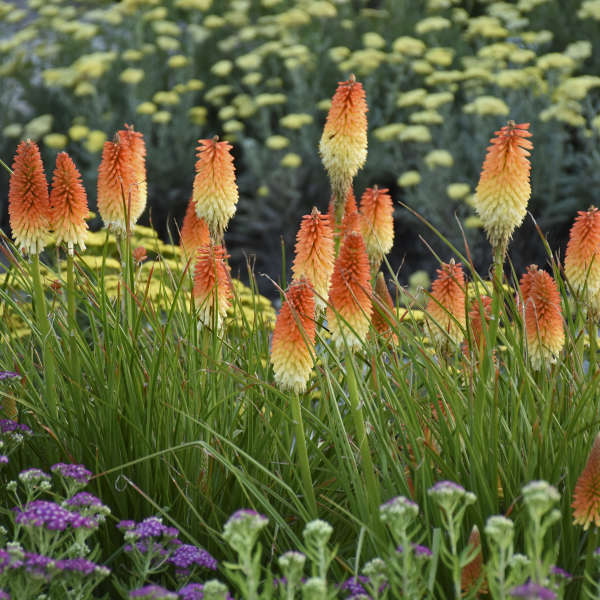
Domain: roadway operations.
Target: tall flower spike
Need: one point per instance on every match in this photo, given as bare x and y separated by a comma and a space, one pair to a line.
194, 232
582, 259
586, 496
481, 309
315, 254
292, 348
68, 204
343, 145
212, 285
377, 223
215, 189
139, 190
384, 310
446, 305
472, 573
350, 307
503, 191
543, 316
117, 188
28, 204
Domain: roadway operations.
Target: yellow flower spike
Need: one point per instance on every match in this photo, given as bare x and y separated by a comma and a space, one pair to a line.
377, 222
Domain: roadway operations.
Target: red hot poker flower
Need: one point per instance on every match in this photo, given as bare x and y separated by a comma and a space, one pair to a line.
586, 496
377, 223
194, 231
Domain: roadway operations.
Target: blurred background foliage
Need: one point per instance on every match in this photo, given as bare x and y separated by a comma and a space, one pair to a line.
440, 76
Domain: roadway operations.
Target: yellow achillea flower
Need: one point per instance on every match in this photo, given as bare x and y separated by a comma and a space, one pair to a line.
446, 306
315, 254
350, 307
194, 232
292, 348
212, 285
343, 145
543, 316
586, 496
68, 204
28, 204
377, 222
215, 188
582, 259
384, 310
503, 190
472, 575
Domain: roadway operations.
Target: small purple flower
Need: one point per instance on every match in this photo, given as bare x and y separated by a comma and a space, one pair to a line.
88, 505
42, 513
4, 561
153, 592
3, 459
82, 566
77, 472
4, 595
187, 556
243, 513
192, 591
10, 426
152, 527
532, 591
354, 585
417, 549
37, 564
560, 572
442, 486
126, 525
9, 375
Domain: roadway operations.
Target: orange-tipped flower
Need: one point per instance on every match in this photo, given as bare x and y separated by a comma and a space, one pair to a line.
139, 189
194, 232
212, 285
350, 307
292, 348
481, 309
377, 223
446, 305
503, 190
471, 576
215, 189
343, 145
586, 497
315, 254
28, 205
117, 186
384, 311
68, 204
543, 316
582, 260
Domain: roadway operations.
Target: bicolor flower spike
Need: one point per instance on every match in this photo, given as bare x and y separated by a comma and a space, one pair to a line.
212, 285
194, 232
472, 575
582, 259
343, 145
350, 306
377, 222
384, 311
543, 317
481, 309
315, 254
68, 204
215, 189
117, 186
503, 191
446, 306
139, 189
292, 348
28, 203
586, 496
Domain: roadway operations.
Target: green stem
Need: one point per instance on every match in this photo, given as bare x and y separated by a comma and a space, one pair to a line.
6, 166
592, 544
363, 441
127, 275
73, 320
593, 335
302, 454
44, 326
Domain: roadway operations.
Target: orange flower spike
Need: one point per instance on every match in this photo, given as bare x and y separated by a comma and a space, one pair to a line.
212, 285
384, 310
543, 316
215, 189
503, 191
446, 305
582, 259
116, 184
194, 232
292, 348
315, 254
586, 496
479, 305
377, 223
350, 307
139, 190
343, 145
28, 204
68, 204
471, 574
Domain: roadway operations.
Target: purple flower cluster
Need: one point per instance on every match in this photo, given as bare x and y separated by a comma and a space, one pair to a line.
13, 430
4, 595
44, 567
9, 375
42, 513
76, 472
559, 572
354, 586
81, 566
148, 528
186, 556
194, 591
153, 592
533, 591
417, 549
3, 459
